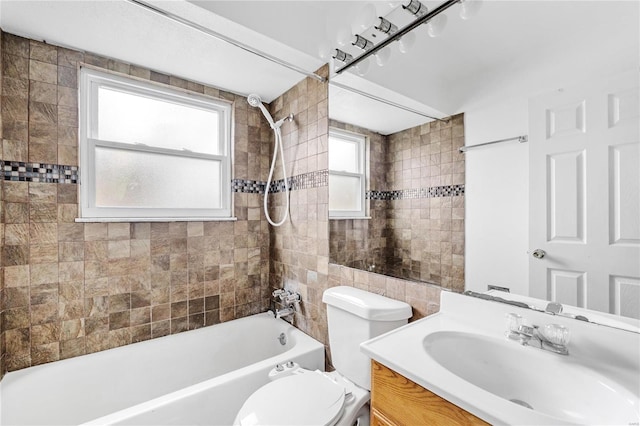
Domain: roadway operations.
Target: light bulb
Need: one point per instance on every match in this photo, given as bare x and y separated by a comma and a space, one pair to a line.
363, 67
436, 25
406, 42
469, 8
366, 17
382, 56
324, 51
343, 37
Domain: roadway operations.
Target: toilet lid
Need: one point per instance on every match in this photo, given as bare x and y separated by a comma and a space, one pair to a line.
310, 398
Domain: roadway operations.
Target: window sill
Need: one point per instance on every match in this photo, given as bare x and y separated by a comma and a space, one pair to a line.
350, 217
154, 219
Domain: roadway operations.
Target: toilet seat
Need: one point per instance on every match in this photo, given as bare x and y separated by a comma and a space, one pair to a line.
306, 398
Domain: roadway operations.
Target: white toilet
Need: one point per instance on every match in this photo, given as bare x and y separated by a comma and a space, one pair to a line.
341, 397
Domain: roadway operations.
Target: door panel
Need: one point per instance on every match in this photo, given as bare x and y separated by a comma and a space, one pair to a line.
585, 195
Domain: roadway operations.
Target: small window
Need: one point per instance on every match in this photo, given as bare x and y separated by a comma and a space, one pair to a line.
347, 174
148, 151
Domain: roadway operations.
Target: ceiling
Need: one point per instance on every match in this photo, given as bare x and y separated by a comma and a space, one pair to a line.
511, 48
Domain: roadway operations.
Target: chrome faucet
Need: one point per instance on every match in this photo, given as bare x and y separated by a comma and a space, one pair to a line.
288, 299
552, 337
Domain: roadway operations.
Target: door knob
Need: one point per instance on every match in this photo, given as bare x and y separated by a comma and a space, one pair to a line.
538, 253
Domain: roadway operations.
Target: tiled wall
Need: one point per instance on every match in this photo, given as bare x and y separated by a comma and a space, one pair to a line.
362, 244
300, 247
420, 207
74, 288
3, 351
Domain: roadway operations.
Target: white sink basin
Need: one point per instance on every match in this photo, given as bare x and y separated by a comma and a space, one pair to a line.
542, 381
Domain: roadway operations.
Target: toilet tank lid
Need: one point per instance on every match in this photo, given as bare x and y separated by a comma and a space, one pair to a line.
367, 305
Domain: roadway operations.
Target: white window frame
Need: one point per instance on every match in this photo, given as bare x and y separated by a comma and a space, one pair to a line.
363, 159
90, 81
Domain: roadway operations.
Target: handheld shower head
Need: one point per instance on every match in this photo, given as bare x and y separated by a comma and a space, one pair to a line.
254, 100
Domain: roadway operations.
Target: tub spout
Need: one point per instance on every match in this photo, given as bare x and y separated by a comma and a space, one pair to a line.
280, 313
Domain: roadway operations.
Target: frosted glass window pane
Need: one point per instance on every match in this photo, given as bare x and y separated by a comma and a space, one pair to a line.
344, 155
344, 193
139, 179
130, 118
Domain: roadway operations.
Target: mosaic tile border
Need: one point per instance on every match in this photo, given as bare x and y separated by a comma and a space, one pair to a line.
38, 172
405, 194
314, 179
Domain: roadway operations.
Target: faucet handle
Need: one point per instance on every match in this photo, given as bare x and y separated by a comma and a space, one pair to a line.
556, 334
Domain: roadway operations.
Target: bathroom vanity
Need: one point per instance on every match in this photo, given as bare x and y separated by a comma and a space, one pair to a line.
396, 400
463, 366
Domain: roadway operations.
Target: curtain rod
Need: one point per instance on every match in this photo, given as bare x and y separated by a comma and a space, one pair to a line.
384, 101
521, 139
226, 39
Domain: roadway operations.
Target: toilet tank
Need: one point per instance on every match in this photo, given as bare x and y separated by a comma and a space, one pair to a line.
355, 316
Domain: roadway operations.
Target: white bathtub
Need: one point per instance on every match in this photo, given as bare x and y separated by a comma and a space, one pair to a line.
199, 377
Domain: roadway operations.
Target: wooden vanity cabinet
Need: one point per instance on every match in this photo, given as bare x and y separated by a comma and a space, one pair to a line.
397, 401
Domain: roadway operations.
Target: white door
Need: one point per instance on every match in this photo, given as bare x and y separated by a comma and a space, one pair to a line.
585, 196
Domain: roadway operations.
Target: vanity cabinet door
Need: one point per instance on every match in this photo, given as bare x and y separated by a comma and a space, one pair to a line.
396, 400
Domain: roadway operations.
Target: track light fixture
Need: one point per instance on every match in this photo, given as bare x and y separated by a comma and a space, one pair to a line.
435, 25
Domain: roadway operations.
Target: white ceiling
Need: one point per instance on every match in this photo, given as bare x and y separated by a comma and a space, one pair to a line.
511, 48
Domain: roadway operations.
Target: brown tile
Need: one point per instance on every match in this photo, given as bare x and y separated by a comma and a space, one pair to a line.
15, 255
42, 71
70, 231
161, 312
68, 77
67, 193
98, 341
43, 92
139, 72
141, 316
45, 353
44, 313
15, 87
67, 155
44, 273
119, 337
69, 58
43, 133
96, 286
96, 325
43, 253
15, 297
72, 348
15, 67
44, 293
71, 271
43, 52
67, 136
119, 231
15, 192
67, 116
16, 276
160, 328
71, 251
15, 45
43, 153
179, 309
140, 333
43, 233
16, 234
118, 320
178, 325
16, 212
16, 318
45, 333
96, 307
71, 309
72, 329
14, 109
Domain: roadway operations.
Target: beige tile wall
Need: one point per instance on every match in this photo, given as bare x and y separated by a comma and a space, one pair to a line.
300, 248
428, 233
419, 239
2, 341
74, 288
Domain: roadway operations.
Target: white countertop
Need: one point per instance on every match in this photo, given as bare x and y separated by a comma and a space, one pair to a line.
609, 352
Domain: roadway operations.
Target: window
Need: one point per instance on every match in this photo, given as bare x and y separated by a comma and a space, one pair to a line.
152, 152
347, 174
